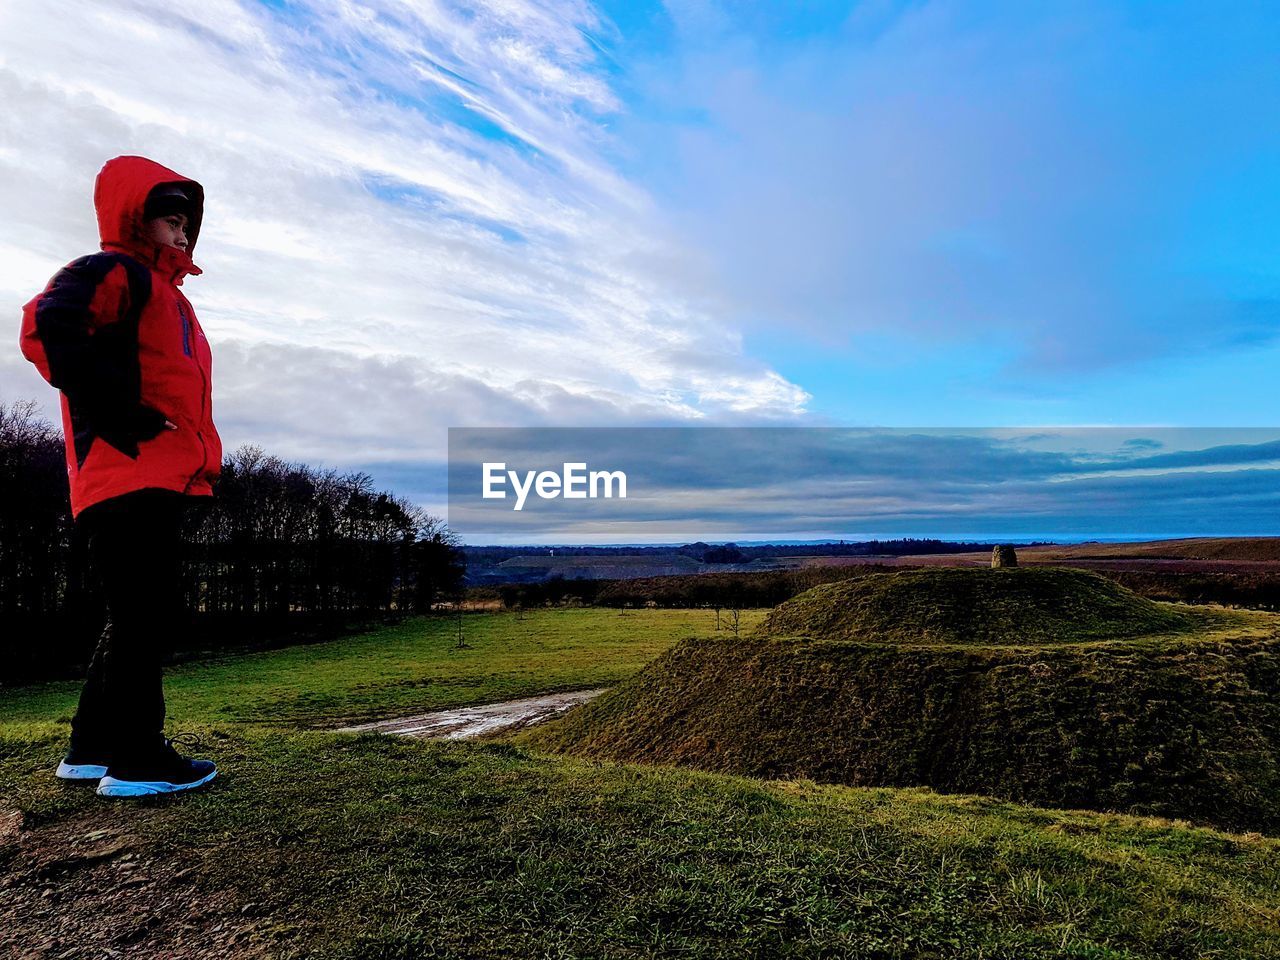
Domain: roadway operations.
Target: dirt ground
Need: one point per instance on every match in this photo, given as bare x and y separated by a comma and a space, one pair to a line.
84, 889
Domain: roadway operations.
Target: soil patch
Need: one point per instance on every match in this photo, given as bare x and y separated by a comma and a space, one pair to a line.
90, 887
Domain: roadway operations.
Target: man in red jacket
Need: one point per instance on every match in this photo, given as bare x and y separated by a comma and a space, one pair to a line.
114, 332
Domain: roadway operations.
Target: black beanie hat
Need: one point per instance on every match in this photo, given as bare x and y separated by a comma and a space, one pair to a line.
166, 200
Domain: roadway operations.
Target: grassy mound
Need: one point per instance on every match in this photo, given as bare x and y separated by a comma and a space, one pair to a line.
1178, 715
1020, 605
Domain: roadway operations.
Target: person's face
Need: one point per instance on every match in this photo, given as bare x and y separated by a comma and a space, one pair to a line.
170, 231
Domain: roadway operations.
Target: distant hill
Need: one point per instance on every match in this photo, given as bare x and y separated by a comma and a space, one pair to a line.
1215, 553
496, 565
528, 564
1257, 549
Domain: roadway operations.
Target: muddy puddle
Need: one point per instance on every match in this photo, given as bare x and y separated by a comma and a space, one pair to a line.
465, 722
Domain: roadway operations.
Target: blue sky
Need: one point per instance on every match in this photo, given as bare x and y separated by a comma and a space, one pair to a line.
538, 213
1058, 212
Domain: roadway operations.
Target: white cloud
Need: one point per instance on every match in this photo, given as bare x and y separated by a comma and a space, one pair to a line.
378, 266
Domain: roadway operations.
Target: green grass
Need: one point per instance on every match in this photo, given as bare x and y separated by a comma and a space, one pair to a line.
410, 849
410, 668
343, 846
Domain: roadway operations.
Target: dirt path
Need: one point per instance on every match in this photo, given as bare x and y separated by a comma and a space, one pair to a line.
464, 723
88, 888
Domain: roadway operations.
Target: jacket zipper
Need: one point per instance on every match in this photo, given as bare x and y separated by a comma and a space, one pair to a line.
204, 392
186, 329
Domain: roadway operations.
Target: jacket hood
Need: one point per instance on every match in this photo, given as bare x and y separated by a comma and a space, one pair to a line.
119, 195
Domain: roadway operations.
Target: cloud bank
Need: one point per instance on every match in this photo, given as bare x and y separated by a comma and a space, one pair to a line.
786, 483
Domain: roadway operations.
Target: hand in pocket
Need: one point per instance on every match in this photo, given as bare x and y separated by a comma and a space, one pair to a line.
148, 422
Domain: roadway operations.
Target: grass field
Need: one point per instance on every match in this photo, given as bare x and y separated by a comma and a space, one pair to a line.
405, 669
343, 846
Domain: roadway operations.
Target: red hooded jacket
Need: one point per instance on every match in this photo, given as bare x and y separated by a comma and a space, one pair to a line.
115, 334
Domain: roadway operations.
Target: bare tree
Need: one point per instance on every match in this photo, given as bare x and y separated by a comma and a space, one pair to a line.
735, 621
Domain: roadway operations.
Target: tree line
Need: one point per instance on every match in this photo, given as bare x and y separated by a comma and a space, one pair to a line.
725, 591
722, 591
286, 552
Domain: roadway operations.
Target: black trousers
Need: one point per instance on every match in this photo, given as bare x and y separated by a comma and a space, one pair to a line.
134, 546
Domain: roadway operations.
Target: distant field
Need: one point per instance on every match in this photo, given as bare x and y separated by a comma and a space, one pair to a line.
1199, 555
600, 567
1260, 549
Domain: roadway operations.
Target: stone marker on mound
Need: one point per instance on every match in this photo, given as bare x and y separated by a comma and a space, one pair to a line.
1004, 556
1052, 687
